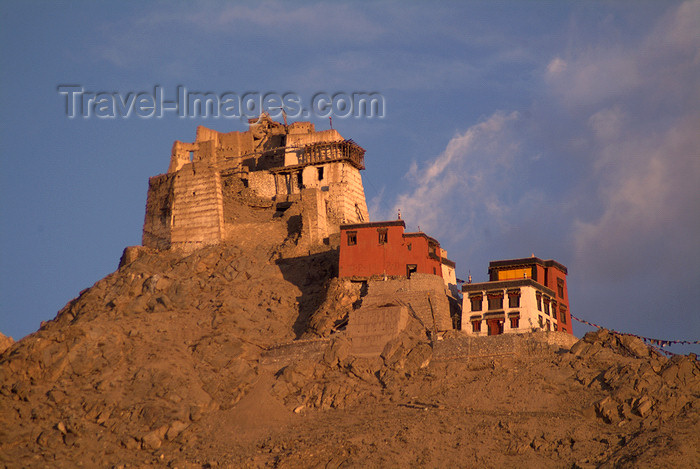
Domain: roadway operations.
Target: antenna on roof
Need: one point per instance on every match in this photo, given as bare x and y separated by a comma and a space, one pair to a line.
399, 214
330, 119
284, 115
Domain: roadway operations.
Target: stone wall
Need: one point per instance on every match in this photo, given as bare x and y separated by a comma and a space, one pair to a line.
197, 214
371, 327
156, 225
263, 183
535, 343
424, 295
347, 194
313, 216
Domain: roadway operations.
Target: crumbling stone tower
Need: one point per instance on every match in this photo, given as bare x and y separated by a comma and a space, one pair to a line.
286, 164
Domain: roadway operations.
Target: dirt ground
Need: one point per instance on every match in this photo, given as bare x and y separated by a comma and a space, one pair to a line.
225, 358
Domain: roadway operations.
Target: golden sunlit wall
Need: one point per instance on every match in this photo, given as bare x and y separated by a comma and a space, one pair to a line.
511, 274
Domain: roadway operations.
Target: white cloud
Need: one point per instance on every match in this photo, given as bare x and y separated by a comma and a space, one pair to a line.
556, 66
454, 194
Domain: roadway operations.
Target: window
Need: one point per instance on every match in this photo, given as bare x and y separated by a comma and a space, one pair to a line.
514, 299
539, 302
476, 302
300, 181
352, 238
514, 322
560, 288
555, 326
495, 302
554, 309
541, 321
562, 314
320, 173
546, 306
383, 235
431, 249
411, 268
434, 271
410, 246
476, 325
548, 325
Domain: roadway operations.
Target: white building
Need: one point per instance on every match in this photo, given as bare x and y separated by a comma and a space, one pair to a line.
509, 306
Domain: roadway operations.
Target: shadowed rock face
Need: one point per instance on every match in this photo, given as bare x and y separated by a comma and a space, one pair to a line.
193, 360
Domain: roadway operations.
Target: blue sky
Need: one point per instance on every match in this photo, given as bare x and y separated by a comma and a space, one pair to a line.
564, 129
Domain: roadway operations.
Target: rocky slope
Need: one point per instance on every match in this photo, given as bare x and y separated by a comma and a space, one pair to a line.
5, 342
225, 357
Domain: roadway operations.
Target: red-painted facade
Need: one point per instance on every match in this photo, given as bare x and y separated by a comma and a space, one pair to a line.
382, 248
549, 273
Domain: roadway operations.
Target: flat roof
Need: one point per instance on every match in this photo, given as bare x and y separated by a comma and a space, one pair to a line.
373, 224
525, 261
421, 235
502, 284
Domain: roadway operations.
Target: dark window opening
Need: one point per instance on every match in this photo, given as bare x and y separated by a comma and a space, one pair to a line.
383, 236
434, 271
560, 288
541, 321
514, 322
562, 315
495, 303
476, 325
476, 303
300, 180
320, 173
539, 303
411, 268
514, 301
352, 238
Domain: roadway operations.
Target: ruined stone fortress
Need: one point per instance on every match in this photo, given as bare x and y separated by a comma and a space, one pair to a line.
187, 207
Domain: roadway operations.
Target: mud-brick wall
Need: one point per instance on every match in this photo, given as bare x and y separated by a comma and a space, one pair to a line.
198, 210
263, 183
314, 223
530, 344
414, 292
156, 225
345, 192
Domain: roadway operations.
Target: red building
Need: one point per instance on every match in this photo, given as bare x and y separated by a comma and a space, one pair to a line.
382, 248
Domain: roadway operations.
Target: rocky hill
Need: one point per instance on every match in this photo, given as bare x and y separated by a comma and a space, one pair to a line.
5, 342
232, 356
